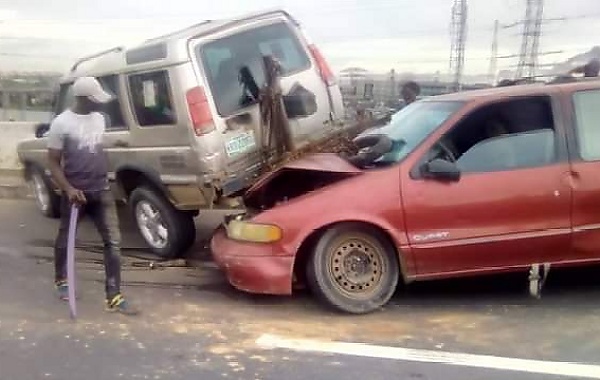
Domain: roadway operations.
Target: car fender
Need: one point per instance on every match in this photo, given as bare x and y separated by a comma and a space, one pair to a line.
149, 176
325, 220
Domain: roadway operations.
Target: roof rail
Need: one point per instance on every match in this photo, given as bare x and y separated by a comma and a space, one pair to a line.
244, 17
266, 12
84, 59
250, 16
178, 31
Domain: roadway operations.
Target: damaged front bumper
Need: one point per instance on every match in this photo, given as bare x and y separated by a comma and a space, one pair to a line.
253, 267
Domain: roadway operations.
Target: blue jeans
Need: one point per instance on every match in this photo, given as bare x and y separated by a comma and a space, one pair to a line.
102, 209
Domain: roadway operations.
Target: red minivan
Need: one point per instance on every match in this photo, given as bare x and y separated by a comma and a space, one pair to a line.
471, 183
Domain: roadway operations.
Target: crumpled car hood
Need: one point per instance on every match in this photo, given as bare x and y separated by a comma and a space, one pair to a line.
297, 178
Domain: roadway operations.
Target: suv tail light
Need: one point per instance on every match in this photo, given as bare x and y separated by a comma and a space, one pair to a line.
324, 69
200, 113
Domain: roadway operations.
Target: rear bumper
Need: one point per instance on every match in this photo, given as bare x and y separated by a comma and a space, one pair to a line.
242, 181
253, 268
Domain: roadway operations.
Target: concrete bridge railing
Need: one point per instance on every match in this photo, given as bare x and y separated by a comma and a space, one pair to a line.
11, 133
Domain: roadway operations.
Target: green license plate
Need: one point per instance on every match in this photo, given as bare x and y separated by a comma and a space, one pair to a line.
240, 143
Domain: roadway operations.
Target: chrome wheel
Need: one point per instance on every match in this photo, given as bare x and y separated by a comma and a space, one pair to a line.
151, 225
40, 192
356, 267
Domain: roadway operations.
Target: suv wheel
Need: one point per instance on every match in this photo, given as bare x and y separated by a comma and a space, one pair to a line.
167, 231
47, 201
354, 269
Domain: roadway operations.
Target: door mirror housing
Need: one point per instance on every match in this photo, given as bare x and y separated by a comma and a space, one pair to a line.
441, 170
41, 129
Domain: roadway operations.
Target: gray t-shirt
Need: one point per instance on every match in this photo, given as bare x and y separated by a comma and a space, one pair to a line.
79, 137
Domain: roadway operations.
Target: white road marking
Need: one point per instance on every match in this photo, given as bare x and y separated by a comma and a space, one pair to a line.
578, 370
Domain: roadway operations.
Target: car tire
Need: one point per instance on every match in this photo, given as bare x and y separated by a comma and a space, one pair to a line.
48, 202
167, 231
353, 269
188, 228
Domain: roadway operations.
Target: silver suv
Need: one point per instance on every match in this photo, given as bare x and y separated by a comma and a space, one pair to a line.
185, 132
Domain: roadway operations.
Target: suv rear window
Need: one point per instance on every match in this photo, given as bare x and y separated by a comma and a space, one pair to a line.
236, 59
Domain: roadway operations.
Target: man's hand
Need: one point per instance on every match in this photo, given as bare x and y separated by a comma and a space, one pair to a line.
76, 196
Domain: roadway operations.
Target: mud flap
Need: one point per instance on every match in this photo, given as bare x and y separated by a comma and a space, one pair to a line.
538, 273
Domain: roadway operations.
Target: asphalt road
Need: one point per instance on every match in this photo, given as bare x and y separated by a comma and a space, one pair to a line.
195, 326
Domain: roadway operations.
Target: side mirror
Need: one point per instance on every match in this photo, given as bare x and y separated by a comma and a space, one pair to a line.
300, 102
40, 129
441, 170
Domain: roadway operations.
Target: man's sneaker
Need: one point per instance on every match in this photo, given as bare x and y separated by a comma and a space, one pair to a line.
62, 290
118, 304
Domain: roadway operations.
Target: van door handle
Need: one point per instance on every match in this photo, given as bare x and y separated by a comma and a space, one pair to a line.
121, 144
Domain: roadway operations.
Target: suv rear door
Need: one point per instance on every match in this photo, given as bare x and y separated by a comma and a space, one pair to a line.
225, 57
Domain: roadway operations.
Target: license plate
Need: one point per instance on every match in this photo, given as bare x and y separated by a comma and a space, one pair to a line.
240, 143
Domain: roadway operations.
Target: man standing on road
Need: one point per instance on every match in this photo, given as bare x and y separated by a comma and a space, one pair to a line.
79, 166
410, 90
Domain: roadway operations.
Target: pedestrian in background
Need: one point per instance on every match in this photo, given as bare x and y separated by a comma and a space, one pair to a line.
80, 167
410, 91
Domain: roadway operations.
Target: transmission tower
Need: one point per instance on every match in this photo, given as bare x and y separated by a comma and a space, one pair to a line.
494, 56
532, 31
458, 31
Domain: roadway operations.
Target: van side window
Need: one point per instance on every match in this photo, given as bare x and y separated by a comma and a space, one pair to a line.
151, 99
587, 114
113, 110
507, 135
513, 151
235, 68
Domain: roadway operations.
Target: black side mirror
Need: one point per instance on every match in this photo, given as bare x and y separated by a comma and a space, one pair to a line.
300, 102
41, 128
441, 170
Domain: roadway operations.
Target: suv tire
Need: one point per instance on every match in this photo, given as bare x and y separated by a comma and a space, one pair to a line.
47, 201
167, 231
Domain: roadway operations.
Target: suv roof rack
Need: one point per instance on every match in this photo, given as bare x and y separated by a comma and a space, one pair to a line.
90, 57
550, 80
558, 79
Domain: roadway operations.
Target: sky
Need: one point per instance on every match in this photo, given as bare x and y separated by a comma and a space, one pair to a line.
378, 35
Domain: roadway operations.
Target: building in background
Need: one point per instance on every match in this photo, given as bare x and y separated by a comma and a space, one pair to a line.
362, 89
27, 96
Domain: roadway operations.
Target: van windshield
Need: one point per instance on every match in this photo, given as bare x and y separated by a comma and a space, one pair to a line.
234, 64
410, 126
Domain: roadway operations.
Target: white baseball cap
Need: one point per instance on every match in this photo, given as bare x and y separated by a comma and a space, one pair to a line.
90, 88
